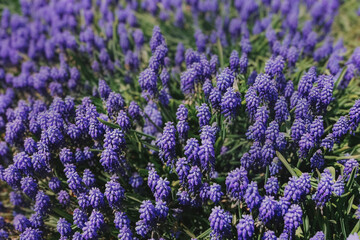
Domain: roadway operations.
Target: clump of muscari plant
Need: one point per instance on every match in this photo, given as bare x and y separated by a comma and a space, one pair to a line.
177, 120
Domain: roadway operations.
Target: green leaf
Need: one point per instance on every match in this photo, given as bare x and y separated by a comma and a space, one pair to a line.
340, 77
150, 146
350, 202
110, 124
187, 231
286, 164
356, 228
63, 214
342, 223
332, 171
345, 195
143, 134
143, 171
133, 198
234, 148
306, 225
220, 51
220, 180
266, 174
297, 171
95, 150
204, 234
350, 183
318, 173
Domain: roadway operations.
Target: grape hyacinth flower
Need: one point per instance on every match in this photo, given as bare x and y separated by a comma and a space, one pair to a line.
167, 143
284, 204
268, 153
147, 212
104, 89
234, 61
317, 128
29, 186
206, 153
73, 179
325, 187
114, 193
63, 198
66, 156
349, 166
64, 227
194, 178
183, 197
252, 196
153, 178
203, 114
257, 130
328, 142
96, 219
317, 160
298, 129
230, 102
96, 198
220, 223
269, 235
272, 186
21, 223
125, 233
215, 193
114, 103
23, 163
89, 231
340, 128
123, 121
268, 209
182, 113
80, 218
215, 98
339, 186
36, 220
293, 218
162, 210
253, 102
136, 181
88, 178
134, 110
318, 236
354, 115
272, 132
191, 150
188, 79
55, 184
292, 190
245, 227
162, 189
236, 183
114, 140
182, 169
121, 220
12, 176
77, 236
142, 228
42, 203
29, 233
225, 80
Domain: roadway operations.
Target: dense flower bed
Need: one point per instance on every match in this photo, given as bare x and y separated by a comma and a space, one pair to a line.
171, 119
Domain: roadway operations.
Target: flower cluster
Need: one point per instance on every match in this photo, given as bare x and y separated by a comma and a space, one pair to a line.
247, 127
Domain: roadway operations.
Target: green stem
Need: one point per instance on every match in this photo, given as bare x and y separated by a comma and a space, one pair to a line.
342, 157
221, 55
